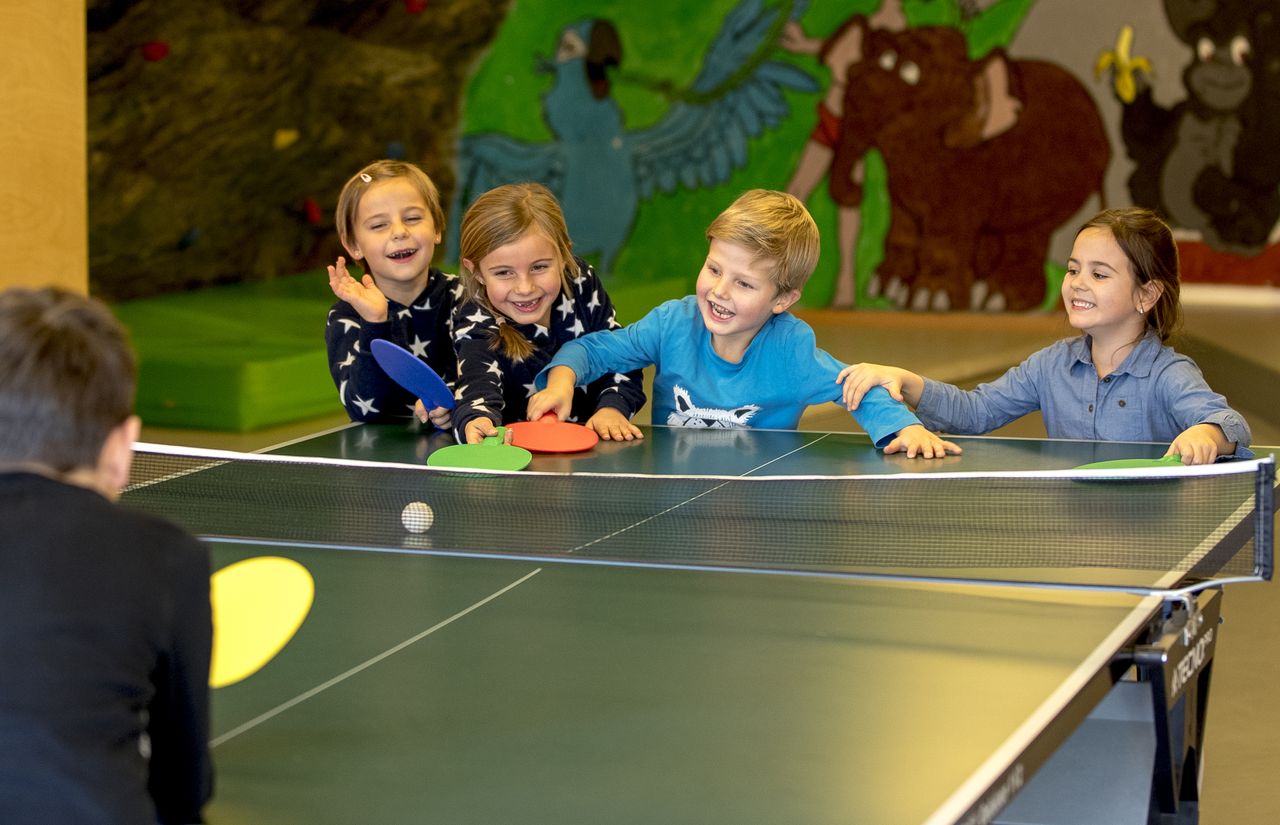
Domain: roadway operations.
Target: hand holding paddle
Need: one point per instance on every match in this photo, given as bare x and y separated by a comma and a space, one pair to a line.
481, 428
557, 398
1201, 444
440, 417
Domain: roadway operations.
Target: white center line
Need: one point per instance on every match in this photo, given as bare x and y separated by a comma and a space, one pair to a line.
257, 720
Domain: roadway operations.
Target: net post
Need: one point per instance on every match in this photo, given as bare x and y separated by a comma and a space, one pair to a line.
1264, 537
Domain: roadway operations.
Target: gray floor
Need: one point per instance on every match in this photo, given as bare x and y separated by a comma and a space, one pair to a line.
1239, 350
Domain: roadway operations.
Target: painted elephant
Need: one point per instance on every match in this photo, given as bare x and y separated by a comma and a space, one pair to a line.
985, 160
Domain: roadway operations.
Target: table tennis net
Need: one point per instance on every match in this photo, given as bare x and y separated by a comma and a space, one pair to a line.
1164, 528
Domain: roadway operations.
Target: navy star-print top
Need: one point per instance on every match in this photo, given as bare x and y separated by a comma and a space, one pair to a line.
423, 328
490, 385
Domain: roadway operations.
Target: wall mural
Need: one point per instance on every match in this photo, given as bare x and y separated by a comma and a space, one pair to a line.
1209, 162
970, 147
598, 167
944, 146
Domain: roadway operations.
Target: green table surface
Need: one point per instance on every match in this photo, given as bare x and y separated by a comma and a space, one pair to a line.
464, 690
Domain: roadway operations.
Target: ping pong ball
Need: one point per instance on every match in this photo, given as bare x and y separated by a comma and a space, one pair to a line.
417, 517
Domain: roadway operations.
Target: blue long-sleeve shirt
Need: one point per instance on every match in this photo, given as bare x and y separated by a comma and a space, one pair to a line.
781, 373
1153, 395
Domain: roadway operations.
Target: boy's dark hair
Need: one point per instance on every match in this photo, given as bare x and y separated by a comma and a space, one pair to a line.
67, 378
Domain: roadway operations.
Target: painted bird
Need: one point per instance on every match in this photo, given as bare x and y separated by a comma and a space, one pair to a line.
600, 170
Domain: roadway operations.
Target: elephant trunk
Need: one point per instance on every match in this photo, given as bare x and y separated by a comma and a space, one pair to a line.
855, 141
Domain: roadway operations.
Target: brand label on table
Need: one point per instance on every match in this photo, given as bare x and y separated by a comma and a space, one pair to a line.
1192, 661
1185, 651
987, 808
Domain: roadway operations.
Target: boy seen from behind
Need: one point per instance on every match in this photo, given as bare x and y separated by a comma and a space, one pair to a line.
105, 627
731, 355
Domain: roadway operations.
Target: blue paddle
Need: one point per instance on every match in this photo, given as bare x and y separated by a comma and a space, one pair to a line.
412, 373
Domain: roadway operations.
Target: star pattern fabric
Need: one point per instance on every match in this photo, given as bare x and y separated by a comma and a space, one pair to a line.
490, 384
425, 328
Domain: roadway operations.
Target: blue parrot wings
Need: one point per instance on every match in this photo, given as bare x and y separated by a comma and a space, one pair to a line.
490, 159
737, 95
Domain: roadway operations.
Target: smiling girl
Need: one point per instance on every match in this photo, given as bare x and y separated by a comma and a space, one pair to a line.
525, 296
389, 219
1118, 381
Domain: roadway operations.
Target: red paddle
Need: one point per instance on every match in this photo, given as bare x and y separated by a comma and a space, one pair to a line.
551, 435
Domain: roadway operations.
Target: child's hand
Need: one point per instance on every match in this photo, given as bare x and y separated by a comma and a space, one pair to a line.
612, 425
556, 398
478, 429
1201, 444
440, 417
363, 295
859, 379
550, 401
917, 442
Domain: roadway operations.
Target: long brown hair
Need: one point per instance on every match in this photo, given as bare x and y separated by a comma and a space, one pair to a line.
497, 218
1148, 243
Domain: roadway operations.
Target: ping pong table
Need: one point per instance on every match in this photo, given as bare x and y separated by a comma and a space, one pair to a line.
427, 687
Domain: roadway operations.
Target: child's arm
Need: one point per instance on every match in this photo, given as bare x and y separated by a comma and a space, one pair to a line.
628, 349
481, 375
617, 395
480, 427
988, 406
366, 392
1209, 427
181, 777
903, 385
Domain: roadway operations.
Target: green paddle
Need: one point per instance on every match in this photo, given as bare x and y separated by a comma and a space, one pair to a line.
491, 454
1134, 463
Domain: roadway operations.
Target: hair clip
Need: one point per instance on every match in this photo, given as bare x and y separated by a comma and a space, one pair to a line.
366, 177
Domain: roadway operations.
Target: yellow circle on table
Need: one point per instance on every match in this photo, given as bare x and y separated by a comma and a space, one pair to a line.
258, 604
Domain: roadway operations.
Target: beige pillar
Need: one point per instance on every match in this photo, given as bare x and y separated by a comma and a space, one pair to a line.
44, 213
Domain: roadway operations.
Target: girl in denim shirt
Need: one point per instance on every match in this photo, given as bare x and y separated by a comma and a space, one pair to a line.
1116, 382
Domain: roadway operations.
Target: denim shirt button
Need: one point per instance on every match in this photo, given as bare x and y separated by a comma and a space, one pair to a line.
1121, 402
1090, 408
